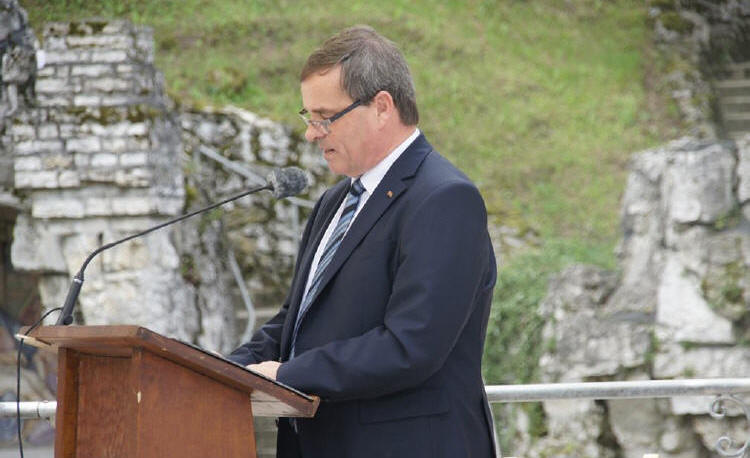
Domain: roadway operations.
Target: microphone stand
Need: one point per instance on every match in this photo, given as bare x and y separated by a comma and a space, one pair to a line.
66, 316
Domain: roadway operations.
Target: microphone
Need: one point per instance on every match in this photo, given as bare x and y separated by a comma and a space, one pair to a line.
285, 182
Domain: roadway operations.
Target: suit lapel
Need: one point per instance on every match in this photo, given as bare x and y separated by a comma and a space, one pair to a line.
327, 211
394, 182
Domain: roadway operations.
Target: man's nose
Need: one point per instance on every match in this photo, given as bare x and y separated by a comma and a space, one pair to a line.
313, 134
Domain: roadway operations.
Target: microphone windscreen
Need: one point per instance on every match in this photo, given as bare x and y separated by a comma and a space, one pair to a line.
288, 181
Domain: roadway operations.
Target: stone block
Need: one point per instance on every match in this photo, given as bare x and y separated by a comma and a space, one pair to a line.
137, 129
83, 145
97, 206
46, 71
69, 179
114, 145
54, 43
22, 132
743, 169
55, 29
138, 144
133, 159
64, 207
170, 205
47, 131
137, 177
53, 85
109, 56
117, 26
52, 101
682, 314
125, 69
67, 56
35, 248
132, 255
130, 205
36, 180
57, 161
87, 100
81, 160
108, 85
106, 160
118, 100
104, 41
53, 289
69, 130
101, 175
38, 147
91, 70
698, 184
27, 163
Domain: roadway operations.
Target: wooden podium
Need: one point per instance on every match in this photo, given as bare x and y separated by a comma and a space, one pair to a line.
125, 391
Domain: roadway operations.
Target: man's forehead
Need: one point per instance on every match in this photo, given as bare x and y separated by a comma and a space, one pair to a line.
322, 92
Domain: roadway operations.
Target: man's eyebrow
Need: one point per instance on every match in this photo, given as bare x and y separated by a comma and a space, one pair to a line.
320, 111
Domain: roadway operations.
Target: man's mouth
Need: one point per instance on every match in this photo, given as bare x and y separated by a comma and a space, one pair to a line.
328, 151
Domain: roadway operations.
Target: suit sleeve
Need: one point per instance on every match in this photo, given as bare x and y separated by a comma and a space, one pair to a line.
444, 252
265, 344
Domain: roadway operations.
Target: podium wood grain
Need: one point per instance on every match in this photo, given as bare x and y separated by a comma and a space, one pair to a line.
125, 391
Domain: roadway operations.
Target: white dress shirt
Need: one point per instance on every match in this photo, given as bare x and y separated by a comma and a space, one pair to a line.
370, 180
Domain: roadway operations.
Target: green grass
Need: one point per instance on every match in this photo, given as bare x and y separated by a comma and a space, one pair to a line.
541, 102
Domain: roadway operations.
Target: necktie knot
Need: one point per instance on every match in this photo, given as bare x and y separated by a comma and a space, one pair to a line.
356, 188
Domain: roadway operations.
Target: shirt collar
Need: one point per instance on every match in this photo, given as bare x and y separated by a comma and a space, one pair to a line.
372, 178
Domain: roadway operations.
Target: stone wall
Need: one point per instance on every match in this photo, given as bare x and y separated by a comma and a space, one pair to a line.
96, 159
227, 151
102, 153
678, 308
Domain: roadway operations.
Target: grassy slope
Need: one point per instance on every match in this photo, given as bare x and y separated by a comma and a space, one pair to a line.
540, 102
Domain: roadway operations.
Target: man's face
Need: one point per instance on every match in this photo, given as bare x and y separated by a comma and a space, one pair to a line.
345, 147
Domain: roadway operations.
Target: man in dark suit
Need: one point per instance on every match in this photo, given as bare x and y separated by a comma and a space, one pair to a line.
387, 312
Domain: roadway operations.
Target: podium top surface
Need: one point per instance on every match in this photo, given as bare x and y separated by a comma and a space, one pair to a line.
269, 397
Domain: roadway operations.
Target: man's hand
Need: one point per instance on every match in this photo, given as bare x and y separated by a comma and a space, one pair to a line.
267, 368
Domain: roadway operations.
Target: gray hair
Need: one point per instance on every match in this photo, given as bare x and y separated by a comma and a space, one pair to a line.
369, 63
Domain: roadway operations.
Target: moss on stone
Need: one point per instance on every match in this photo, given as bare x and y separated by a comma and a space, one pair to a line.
188, 269
731, 219
724, 290
673, 21
143, 112
663, 5
96, 26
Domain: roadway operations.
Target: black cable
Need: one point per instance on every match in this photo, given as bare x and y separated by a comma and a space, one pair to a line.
18, 376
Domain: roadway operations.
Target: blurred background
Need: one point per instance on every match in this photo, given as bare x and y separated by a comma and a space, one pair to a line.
543, 103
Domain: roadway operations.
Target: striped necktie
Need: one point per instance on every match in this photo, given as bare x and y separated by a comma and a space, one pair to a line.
350, 208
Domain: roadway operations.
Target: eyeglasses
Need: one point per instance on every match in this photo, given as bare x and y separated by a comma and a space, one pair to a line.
324, 125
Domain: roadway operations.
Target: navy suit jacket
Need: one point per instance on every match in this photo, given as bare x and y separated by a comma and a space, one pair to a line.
393, 340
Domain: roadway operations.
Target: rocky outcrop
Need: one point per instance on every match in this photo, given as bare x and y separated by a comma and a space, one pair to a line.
699, 43
677, 309
101, 155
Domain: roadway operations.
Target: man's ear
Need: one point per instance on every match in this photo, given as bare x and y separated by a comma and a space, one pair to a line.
385, 108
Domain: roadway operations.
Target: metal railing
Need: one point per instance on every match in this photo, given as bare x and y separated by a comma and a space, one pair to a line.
723, 389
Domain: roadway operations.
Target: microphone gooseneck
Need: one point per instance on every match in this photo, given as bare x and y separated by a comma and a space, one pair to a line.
283, 182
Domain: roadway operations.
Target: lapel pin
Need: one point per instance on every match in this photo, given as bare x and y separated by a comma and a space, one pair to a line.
389, 194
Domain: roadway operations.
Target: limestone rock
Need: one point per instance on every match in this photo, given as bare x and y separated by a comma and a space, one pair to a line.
683, 315
573, 431
584, 336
